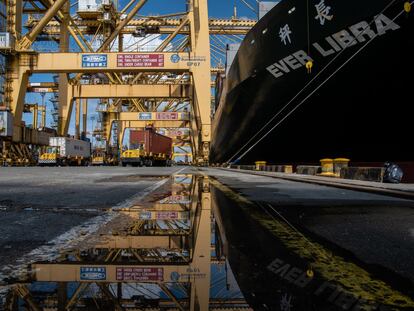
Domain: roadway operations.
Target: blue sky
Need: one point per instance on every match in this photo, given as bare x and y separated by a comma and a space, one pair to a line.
217, 8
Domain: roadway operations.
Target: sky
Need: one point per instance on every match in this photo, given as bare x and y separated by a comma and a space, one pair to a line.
217, 9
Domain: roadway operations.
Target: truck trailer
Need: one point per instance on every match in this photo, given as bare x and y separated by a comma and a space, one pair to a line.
65, 151
147, 147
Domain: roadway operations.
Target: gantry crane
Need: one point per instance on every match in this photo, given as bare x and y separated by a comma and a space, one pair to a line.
93, 61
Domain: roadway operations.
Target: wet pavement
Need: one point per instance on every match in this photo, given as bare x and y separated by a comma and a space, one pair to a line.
206, 239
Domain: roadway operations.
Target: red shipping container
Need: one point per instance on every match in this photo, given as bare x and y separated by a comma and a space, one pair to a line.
152, 141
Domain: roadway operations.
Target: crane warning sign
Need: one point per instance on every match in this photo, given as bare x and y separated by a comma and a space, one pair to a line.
140, 60
139, 274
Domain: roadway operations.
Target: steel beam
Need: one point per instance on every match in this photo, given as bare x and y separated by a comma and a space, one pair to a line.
30, 37
65, 105
130, 91
135, 116
16, 92
165, 26
72, 62
122, 24
201, 71
140, 242
68, 272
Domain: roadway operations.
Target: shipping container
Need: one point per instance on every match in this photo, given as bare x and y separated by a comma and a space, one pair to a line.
231, 52
88, 5
146, 147
65, 151
151, 141
6, 41
6, 123
69, 147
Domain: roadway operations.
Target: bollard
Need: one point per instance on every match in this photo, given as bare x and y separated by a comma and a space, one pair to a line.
288, 169
339, 163
260, 165
327, 167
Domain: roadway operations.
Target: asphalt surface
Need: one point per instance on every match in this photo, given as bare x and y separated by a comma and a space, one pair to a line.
38, 204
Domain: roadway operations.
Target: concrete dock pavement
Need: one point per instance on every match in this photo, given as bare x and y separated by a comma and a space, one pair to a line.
403, 190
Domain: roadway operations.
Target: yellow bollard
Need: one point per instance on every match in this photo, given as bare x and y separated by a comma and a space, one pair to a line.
288, 169
338, 164
327, 167
260, 165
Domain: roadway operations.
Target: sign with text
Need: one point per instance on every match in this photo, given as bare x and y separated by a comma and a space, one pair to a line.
167, 115
42, 90
94, 60
139, 274
140, 60
176, 199
92, 273
145, 116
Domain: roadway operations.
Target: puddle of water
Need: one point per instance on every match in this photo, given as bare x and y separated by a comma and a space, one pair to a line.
131, 178
196, 245
301, 272
163, 254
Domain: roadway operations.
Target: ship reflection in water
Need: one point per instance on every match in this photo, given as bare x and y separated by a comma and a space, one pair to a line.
196, 245
164, 254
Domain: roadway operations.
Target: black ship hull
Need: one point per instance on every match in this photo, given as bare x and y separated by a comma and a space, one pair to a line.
357, 107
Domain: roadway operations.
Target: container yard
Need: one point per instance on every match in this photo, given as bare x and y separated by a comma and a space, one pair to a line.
206, 155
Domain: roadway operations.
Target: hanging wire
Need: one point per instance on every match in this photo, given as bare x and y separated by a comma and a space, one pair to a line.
307, 84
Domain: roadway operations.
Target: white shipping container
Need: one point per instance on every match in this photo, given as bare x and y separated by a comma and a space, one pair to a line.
231, 52
70, 147
88, 5
6, 123
6, 40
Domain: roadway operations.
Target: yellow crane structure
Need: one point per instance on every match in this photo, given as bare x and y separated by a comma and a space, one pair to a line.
137, 86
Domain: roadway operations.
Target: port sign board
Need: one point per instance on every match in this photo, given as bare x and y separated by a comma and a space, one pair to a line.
164, 215
93, 273
176, 199
145, 215
140, 60
167, 115
42, 90
139, 274
145, 116
94, 60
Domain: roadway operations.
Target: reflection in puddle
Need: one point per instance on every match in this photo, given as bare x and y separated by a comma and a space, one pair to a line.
163, 255
197, 245
301, 271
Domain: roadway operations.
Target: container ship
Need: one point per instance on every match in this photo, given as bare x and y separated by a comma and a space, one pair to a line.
336, 76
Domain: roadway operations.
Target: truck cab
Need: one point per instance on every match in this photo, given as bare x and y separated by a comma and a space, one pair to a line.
49, 156
134, 157
99, 157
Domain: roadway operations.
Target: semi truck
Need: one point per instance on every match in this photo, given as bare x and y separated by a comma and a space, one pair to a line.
147, 147
65, 151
